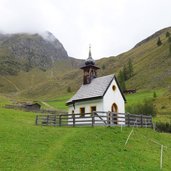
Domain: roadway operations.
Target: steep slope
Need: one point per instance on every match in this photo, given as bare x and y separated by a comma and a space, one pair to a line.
26, 51
151, 63
30, 63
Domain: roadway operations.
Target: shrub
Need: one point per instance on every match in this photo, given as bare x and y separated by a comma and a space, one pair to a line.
163, 127
146, 107
154, 95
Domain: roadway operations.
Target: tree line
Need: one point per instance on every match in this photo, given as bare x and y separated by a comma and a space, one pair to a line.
168, 36
125, 74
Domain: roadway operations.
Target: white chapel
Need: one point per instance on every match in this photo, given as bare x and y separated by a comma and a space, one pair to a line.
96, 93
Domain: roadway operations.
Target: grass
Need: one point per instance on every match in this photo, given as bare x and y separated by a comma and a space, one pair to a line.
161, 103
139, 97
24, 146
59, 103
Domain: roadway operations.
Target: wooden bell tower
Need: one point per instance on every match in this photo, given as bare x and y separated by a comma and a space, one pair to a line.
89, 69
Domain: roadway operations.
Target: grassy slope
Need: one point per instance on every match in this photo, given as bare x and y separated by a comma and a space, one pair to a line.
152, 64
161, 102
152, 67
59, 103
25, 146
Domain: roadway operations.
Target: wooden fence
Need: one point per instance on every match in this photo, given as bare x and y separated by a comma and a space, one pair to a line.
94, 119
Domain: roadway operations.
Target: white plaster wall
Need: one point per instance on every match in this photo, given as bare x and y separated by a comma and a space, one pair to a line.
111, 97
87, 105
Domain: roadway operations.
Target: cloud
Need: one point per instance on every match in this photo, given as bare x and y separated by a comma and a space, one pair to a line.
111, 26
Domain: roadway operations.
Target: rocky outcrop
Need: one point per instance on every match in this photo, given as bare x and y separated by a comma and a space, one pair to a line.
25, 51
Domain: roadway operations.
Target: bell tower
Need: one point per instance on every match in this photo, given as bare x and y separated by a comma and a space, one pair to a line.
89, 69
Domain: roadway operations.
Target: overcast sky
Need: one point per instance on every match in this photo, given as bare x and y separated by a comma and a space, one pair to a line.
110, 26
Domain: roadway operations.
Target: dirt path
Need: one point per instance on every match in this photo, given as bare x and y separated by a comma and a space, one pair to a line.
11, 83
46, 104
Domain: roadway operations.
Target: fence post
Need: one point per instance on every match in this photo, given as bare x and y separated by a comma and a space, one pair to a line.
93, 119
55, 120
141, 121
154, 126
47, 120
151, 121
112, 118
108, 118
73, 116
128, 119
60, 123
36, 121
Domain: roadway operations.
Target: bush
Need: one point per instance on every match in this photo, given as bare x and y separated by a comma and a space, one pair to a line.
154, 95
146, 108
163, 127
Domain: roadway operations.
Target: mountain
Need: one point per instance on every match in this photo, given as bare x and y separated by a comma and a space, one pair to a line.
26, 51
29, 63
49, 76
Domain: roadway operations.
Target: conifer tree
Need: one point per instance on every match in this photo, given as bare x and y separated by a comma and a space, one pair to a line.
159, 42
121, 80
130, 68
167, 34
125, 72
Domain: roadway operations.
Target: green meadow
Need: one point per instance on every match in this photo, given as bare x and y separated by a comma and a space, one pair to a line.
25, 146
161, 103
59, 103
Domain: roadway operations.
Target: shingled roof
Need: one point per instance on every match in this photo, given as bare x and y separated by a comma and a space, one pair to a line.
95, 89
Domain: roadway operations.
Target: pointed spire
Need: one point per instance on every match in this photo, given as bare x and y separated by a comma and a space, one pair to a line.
90, 60
89, 55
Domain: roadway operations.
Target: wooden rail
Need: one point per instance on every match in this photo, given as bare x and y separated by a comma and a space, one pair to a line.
94, 119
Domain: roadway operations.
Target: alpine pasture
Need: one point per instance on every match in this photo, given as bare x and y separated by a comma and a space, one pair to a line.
24, 146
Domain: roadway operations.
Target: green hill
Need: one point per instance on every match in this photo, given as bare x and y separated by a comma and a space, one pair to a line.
32, 64
151, 63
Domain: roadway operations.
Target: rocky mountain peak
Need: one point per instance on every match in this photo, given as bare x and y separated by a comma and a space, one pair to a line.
32, 50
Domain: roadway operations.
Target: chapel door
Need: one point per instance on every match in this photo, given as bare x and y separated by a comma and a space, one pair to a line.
114, 109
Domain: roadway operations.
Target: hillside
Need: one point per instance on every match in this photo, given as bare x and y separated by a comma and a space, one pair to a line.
32, 63
151, 63
25, 146
22, 52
